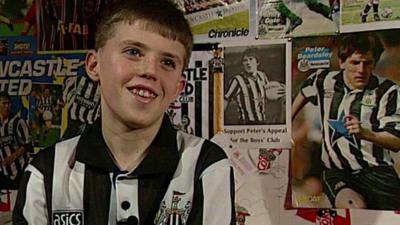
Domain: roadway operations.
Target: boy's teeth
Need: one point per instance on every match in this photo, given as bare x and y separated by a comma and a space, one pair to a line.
143, 93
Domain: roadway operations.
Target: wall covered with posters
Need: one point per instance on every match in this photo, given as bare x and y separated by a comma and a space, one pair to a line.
252, 61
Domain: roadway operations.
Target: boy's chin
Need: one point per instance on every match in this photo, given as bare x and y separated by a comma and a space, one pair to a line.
143, 121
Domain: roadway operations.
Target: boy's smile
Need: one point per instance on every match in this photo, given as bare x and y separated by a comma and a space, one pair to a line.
140, 73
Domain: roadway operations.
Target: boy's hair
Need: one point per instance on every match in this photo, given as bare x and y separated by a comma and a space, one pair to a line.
158, 16
250, 52
362, 43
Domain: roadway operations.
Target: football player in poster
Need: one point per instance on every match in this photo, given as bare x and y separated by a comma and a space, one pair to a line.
15, 144
374, 4
360, 126
251, 89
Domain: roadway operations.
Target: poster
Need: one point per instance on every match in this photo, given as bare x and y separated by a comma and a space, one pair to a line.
255, 113
17, 17
193, 111
326, 146
214, 21
284, 18
260, 181
43, 98
364, 15
68, 25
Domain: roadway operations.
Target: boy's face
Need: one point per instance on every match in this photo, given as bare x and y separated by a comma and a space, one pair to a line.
250, 64
358, 68
140, 74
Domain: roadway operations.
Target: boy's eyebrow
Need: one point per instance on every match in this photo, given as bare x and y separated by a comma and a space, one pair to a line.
146, 47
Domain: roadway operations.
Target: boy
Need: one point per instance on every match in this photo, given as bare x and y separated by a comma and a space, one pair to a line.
131, 166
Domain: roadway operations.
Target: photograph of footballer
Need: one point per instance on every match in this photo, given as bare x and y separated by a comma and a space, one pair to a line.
44, 114
252, 85
15, 144
131, 166
358, 113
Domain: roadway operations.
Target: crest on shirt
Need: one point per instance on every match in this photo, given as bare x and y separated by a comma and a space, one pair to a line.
369, 99
176, 214
67, 217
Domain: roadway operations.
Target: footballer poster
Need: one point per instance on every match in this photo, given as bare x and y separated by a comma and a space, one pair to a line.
255, 113
284, 18
324, 142
193, 111
17, 17
364, 15
43, 98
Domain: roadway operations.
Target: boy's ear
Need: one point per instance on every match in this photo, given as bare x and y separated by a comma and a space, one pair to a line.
91, 65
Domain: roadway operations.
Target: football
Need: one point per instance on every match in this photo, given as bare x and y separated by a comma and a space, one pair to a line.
274, 90
387, 13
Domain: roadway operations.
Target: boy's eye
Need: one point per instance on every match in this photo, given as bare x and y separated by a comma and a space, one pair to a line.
133, 52
169, 63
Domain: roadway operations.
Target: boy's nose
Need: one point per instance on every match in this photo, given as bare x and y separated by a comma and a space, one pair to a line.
148, 68
361, 67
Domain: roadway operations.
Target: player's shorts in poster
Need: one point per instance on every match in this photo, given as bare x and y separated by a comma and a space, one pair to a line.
364, 15
284, 18
193, 111
333, 164
17, 17
255, 83
214, 21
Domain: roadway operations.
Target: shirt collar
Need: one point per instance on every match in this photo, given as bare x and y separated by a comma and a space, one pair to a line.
163, 156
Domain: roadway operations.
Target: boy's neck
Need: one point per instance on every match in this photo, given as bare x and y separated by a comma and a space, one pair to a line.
128, 146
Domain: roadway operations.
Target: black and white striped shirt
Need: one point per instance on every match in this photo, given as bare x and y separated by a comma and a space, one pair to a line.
14, 133
249, 93
377, 106
183, 180
82, 96
46, 103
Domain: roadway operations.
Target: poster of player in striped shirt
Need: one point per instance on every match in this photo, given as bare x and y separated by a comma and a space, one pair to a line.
346, 140
67, 25
254, 94
45, 113
193, 111
15, 141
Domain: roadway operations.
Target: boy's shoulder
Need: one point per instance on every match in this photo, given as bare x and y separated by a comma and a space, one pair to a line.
44, 159
209, 152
